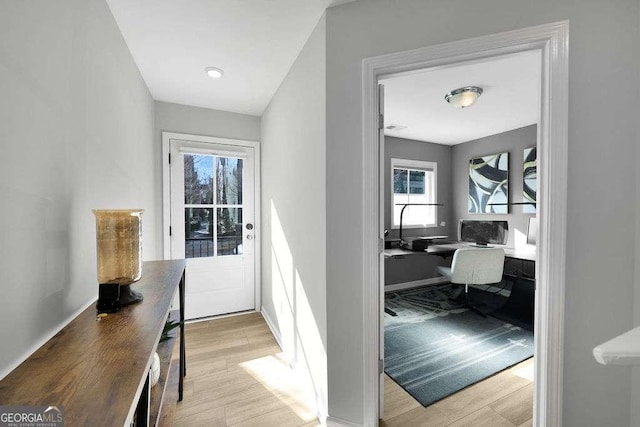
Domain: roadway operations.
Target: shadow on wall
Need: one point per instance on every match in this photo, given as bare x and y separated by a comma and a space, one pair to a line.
299, 334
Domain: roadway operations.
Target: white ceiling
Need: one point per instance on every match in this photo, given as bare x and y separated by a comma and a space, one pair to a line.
255, 42
510, 100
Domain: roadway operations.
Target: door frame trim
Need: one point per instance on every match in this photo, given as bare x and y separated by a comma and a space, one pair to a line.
166, 196
553, 42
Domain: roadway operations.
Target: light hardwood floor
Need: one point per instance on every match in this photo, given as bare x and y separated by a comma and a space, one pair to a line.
503, 400
237, 376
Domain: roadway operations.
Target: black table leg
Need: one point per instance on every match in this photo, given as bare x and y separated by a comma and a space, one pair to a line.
142, 410
183, 355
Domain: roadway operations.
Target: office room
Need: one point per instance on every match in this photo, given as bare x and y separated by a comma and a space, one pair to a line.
460, 181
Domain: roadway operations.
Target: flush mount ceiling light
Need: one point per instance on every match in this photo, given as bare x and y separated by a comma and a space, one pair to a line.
464, 96
213, 72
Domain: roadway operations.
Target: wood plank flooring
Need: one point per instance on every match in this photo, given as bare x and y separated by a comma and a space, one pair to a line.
237, 376
505, 399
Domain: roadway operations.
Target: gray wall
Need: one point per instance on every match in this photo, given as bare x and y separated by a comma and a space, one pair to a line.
203, 121
514, 142
400, 148
635, 382
76, 134
294, 213
453, 190
602, 137
410, 269
179, 118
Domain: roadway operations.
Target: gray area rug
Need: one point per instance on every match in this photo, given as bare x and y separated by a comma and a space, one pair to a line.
434, 348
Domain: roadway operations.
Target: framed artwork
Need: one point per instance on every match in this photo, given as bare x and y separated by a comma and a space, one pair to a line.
530, 180
489, 184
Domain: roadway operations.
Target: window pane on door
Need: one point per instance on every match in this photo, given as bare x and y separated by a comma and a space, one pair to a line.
229, 231
229, 181
198, 179
198, 230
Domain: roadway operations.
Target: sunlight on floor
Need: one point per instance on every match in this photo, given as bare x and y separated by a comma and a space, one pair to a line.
525, 371
274, 373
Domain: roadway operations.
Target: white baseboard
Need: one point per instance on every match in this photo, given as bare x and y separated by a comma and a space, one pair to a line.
321, 407
272, 327
339, 422
219, 316
415, 284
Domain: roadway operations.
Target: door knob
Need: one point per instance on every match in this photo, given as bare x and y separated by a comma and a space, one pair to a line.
249, 226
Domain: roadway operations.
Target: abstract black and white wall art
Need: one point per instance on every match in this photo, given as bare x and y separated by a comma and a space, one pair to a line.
530, 180
489, 184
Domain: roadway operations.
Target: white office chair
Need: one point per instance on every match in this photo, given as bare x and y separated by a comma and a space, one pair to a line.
475, 266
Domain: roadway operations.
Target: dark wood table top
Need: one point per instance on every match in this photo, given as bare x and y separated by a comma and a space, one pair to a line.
95, 369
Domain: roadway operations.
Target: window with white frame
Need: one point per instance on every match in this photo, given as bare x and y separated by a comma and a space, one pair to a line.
413, 181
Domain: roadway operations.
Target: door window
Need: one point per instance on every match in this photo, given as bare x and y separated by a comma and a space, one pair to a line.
213, 225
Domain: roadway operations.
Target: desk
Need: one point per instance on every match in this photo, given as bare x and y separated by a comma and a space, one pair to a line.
519, 269
446, 249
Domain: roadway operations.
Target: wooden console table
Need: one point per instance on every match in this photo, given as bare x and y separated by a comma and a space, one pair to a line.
98, 370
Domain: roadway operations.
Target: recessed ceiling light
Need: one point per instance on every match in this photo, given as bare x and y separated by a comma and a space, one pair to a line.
213, 72
464, 96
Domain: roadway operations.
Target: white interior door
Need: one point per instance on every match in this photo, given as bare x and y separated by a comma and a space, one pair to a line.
212, 225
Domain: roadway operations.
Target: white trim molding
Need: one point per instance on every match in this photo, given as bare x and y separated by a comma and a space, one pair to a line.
166, 196
339, 422
552, 40
272, 327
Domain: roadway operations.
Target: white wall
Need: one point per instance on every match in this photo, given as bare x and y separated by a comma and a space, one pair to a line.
602, 190
76, 134
294, 213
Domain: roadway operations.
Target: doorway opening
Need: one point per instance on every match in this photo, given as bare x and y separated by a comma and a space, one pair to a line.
460, 179
550, 41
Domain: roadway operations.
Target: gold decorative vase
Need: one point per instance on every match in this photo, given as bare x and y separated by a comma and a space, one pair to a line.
119, 251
